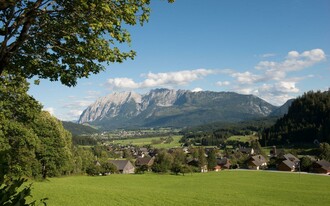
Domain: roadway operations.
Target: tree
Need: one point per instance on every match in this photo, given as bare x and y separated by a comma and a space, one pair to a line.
257, 147
18, 140
211, 159
305, 164
325, 151
108, 168
66, 40
163, 162
54, 152
202, 161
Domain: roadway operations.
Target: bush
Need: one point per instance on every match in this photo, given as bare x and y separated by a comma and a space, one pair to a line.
11, 194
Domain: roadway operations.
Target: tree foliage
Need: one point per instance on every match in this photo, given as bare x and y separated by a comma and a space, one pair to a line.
11, 193
325, 151
33, 143
66, 40
308, 119
163, 162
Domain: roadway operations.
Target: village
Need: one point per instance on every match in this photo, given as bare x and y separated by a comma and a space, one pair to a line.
129, 159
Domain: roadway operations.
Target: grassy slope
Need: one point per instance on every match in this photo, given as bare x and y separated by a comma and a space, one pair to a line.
242, 138
146, 141
222, 188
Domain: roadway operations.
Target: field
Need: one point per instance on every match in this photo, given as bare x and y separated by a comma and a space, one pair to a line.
236, 187
242, 138
145, 141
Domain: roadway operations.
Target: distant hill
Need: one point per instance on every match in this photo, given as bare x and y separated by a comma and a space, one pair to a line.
78, 129
282, 110
173, 108
308, 118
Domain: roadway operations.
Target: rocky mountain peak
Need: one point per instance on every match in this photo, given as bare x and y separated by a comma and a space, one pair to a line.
168, 107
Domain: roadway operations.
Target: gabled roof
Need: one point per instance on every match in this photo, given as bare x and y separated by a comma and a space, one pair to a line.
291, 157
144, 161
323, 164
289, 163
257, 160
121, 164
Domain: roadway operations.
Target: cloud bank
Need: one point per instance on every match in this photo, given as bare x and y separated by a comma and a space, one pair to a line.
151, 80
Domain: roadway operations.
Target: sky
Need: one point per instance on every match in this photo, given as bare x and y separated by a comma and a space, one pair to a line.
276, 50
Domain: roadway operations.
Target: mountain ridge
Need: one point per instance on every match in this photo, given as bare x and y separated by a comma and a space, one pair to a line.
173, 108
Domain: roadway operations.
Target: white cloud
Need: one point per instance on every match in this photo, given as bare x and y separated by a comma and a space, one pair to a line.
77, 104
161, 79
224, 83
294, 61
246, 77
74, 114
123, 83
271, 82
198, 89
51, 110
92, 95
244, 90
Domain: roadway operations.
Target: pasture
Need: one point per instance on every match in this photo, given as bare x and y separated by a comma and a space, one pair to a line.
148, 141
242, 138
235, 187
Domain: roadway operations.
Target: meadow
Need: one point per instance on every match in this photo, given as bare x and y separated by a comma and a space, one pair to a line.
148, 141
233, 187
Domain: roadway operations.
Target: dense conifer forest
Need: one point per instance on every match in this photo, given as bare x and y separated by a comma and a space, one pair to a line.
307, 120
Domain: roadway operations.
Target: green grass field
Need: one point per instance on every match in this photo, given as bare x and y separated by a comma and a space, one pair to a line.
146, 141
242, 138
214, 188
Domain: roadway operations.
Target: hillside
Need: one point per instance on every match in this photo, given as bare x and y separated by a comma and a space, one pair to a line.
308, 118
173, 108
282, 110
78, 129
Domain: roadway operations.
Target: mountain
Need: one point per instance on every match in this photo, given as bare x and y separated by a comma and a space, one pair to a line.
282, 110
172, 108
78, 129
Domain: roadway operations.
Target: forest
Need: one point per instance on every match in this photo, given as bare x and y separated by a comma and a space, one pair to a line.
307, 120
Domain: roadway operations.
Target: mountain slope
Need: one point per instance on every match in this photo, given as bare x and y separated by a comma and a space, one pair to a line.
308, 119
78, 129
174, 108
282, 110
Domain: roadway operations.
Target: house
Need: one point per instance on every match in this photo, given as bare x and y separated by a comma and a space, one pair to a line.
140, 161
287, 165
257, 162
321, 166
143, 151
217, 168
224, 163
289, 162
123, 166
292, 158
245, 150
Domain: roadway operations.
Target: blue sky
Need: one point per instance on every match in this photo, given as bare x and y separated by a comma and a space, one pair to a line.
276, 50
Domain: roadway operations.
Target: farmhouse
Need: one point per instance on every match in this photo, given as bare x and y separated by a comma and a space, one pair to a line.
149, 161
224, 163
257, 162
123, 166
322, 166
287, 165
292, 158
